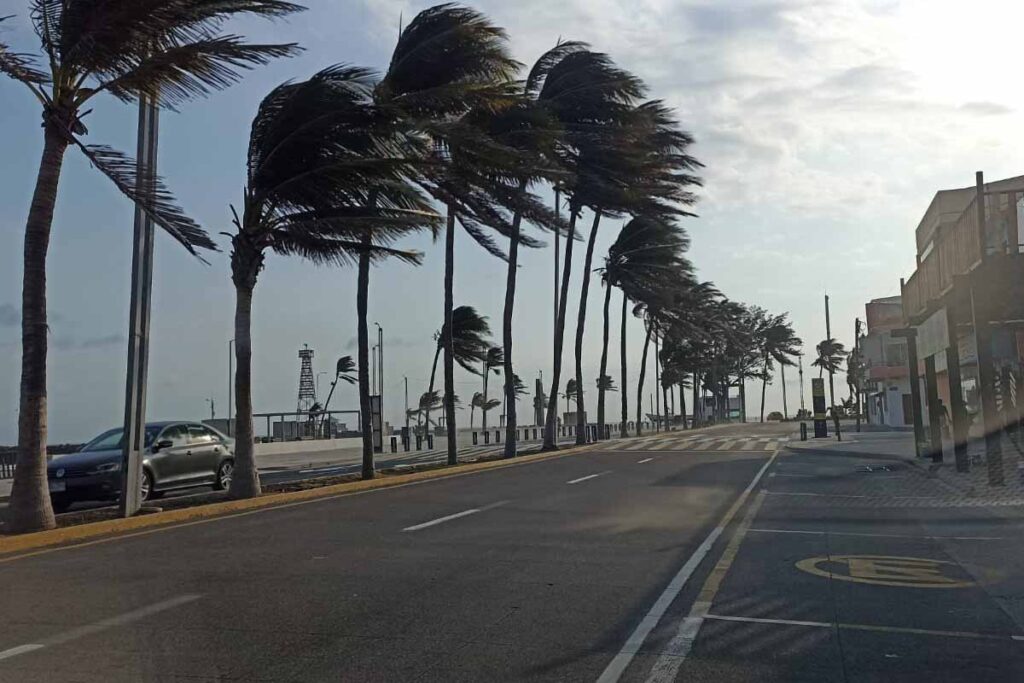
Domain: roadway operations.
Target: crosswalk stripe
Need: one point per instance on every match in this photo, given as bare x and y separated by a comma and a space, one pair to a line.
726, 445
749, 445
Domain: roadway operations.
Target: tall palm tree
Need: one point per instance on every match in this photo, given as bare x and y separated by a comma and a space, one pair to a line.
450, 69
592, 100
326, 180
492, 363
646, 252
469, 337
643, 168
476, 402
779, 344
133, 50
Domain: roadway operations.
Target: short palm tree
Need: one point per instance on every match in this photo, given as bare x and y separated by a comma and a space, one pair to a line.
164, 53
344, 371
326, 180
779, 344
646, 252
571, 391
470, 342
830, 358
476, 402
494, 361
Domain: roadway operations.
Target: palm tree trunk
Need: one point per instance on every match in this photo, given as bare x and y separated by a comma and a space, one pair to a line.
604, 363
698, 407
682, 401
623, 431
245, 482
581, 319
430, 387
556, 371
362, 296
29, 508
449, 344
640, 384
511, 423
764, 384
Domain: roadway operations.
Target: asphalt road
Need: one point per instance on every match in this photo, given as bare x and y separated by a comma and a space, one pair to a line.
674, 558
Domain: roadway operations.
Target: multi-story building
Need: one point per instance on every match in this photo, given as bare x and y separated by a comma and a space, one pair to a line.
886, 376
965, 304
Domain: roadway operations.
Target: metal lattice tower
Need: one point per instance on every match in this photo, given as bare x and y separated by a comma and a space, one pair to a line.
307, 387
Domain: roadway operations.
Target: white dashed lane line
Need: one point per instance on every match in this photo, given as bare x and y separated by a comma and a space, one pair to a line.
457, 515
588, 477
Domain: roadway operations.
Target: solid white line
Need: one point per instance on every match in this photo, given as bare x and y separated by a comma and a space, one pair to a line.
457, 515
589, 476
781, 622
780, 474
867, 627
618, 665
852, 533
814, 495
103, 624
641, 462
21, 649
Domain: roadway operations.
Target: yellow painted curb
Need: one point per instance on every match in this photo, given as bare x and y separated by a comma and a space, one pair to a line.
119, 528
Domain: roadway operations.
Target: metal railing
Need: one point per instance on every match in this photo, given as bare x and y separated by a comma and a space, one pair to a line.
7, 464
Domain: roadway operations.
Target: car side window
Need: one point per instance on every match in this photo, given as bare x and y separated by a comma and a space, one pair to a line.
176, 434
197, 434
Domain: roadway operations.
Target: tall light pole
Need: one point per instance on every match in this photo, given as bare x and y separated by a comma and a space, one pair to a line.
380, 369
140, 309
231, 385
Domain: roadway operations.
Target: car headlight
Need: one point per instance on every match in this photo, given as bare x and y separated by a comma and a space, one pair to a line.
106, 467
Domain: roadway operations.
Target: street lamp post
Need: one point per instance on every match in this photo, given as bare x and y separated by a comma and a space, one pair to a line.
380, 369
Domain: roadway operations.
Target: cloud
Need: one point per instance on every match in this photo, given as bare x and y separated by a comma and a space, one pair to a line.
9, 316
70, 343
986, 108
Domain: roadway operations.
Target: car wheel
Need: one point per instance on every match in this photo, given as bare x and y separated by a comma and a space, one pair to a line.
224, 474
60, 503
145, 486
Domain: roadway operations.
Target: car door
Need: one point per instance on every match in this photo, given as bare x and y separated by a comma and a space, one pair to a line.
169, 463
206, 450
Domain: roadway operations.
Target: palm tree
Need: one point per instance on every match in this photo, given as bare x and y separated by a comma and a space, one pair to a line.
326, 180
476, 402
344, 371
591, 99
165, 55
779, 344
495, 359
646, 251
450, 69
642, 169
830, 358
469, 341
571, 391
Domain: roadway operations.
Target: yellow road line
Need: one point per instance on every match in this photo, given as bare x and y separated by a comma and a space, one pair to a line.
115, 529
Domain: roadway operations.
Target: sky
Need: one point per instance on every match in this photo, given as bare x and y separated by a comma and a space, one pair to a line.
825, 128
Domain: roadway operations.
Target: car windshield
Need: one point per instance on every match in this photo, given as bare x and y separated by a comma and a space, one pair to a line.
112, 440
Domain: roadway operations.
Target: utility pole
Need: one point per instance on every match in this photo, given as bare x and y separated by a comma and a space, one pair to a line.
857, 367
380, 369
800, 366
140, 309
407, 404
558, 214
782, 376
831, 380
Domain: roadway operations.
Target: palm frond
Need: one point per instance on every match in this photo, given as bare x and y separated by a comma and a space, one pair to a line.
183, 72
544, 64
21, 67
330, 250
157, 201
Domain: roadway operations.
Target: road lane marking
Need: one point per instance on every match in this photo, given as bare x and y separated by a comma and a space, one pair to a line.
727, 445
641, 462
867, 627
852, 533
813, 495
666, 667
589, 476
885, 570
21, 649
457, 515
621, 661
101, 625
748, 445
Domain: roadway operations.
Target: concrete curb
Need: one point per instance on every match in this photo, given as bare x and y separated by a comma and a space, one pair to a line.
115, 528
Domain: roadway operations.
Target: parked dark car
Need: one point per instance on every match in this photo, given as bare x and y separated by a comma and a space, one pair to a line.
177, 455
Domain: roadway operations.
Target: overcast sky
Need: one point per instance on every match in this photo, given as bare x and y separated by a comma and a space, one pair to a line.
825, 126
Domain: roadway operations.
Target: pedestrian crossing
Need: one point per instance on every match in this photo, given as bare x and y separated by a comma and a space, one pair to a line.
698, 442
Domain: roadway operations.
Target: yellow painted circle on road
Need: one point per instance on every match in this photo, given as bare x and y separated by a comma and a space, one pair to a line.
885, 570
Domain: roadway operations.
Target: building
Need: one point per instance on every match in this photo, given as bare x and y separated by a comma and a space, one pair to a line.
965, 308
887, 392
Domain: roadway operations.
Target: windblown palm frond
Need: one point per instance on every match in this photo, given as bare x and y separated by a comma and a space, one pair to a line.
470, 338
